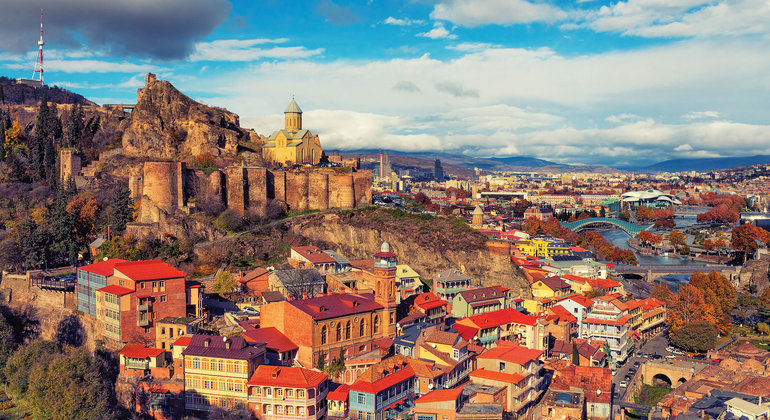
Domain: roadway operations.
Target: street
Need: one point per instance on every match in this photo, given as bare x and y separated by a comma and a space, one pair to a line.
656, 345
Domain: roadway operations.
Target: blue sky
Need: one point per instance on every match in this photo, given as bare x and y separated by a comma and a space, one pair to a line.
583, 82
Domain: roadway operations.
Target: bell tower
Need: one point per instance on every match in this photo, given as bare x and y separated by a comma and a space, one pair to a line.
384, 279
293, 117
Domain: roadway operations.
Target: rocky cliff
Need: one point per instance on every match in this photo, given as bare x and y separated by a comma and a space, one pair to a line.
427, 244
166, 124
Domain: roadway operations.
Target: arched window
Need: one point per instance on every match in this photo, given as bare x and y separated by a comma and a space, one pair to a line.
362, 328
391, 289
379, 288
323, 334
347, 331
339, 331
376, 324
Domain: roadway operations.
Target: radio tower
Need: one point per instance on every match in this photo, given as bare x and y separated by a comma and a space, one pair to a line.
39, 62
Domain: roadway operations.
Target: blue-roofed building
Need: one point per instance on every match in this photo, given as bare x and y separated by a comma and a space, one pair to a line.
90, 278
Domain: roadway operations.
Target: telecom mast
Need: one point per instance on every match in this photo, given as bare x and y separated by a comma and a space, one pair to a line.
39, 62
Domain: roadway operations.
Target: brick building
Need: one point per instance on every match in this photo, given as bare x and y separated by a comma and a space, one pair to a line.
280, 392
323, 325
138, 295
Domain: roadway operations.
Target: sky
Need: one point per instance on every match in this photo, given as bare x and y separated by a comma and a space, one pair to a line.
618, 83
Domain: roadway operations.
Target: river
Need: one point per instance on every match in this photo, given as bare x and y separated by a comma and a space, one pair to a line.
620, 239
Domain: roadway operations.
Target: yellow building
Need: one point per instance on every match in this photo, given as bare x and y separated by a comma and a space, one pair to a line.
216, 370
543, 248
293, 144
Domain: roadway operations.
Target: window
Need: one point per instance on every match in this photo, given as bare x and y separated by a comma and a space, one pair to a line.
362, 328
196, 363
300, 393
392, 317
339, 331
279, 392
289, 393
162, 283
290, 409
221, 365
142, 285
347, 331
163, 330
163, 298
376, 324
268, 392
323, 334
154, 284
361, 399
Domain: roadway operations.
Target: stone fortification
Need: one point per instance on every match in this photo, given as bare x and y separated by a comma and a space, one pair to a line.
166, 124
167, 187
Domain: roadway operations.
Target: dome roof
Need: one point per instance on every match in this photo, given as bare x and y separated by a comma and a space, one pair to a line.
293, 107
385, 247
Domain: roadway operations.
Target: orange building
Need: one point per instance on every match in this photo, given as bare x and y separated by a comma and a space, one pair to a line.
281, 392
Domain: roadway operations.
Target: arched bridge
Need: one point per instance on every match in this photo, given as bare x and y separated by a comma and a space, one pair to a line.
672, 374
630, 228
652, 272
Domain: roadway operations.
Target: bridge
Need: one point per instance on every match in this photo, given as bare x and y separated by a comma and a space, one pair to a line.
652, 272
672, 374
631, 229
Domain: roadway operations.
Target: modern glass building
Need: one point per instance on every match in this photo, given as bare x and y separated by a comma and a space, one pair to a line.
91, 278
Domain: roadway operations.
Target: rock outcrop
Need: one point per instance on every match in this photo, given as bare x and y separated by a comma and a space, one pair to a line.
429, 247
167, 124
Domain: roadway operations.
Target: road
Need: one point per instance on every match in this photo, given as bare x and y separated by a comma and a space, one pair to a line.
656, 345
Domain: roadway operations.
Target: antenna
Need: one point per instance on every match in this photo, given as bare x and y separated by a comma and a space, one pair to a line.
39, 62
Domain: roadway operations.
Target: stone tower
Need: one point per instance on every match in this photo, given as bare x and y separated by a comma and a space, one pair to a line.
293, 117
69, 165
478, 216
384, 280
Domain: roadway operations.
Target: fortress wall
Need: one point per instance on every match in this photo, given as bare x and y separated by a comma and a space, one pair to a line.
215, 188
345, 193
163, 183
135, 185
69, 165
297, 191
362, 181
256, 182
276, 185
318, 191
236, 188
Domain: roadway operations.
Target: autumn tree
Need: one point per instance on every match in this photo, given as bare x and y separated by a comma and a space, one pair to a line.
225, 282
83, 210
718, 293
699, 336
533, 226
745, 238
689, 306
676, 238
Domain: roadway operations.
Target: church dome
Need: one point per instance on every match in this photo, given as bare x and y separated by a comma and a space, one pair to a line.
385, 247
292, 108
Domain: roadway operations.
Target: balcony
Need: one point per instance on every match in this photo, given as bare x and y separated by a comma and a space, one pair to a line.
143, 308
143, 322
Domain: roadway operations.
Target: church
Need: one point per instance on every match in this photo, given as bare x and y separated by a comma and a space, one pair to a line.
293, 144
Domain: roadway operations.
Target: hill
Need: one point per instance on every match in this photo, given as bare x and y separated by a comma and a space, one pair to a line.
12, 93
706, 164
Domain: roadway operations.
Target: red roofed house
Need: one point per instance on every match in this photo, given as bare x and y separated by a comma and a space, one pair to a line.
560, 323
594, 383
503, 325
338, 402
280, 350
518, 368
138, 295
323, 325
279, 392
435, 309
608, 320
90, 278
311, 257
384, 390
479, 300
150, 383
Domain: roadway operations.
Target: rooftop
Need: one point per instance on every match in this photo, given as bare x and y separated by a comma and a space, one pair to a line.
148, 270
285, 376
216, 346
332, 306
102, 268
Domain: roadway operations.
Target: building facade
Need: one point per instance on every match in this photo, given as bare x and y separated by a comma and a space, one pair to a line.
282, 392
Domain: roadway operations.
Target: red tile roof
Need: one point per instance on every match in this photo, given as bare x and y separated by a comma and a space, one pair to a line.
253, 274
333, 306
483, 293
294, 377
182, 341
561, 313
510, 378
273, 338
148, 270
428, 300
313, 254
116, 290
389, 380
579, 299
511, 352
339, 394
502, 317
555, 283
102, 268
438, 395
139, 351
620, 321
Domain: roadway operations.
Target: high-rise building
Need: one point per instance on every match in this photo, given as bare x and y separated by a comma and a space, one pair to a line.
438, 170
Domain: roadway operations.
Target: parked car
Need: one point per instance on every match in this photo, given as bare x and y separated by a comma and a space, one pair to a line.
639, 354
636, 364
632, 371
699, 357
248, 310
717, 360
657, 356
614, 372
628, 378
671, 356
623, 384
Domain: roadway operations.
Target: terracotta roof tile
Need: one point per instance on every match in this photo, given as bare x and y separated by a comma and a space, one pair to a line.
287, 376
102, 268
139, 351
438, 395
148, 270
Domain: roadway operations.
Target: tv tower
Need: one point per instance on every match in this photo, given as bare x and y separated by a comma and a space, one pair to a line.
39, 62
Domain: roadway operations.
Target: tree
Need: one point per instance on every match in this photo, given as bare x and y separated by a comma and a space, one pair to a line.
763, 328
225, 282
689, 306
676, 238
685, 250
719, 293
83, 210
39, 141
747, 238
662, 292
37, 354
575, 354
75, 125
122, 210
2, 133
70, 332
698, 337
320, 362
624, 216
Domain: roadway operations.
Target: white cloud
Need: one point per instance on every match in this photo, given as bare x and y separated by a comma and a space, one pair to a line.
529, 101
248, 50
683, 148
472, 46
471, 13
402, 21
683, 18
697, 115
438, 32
